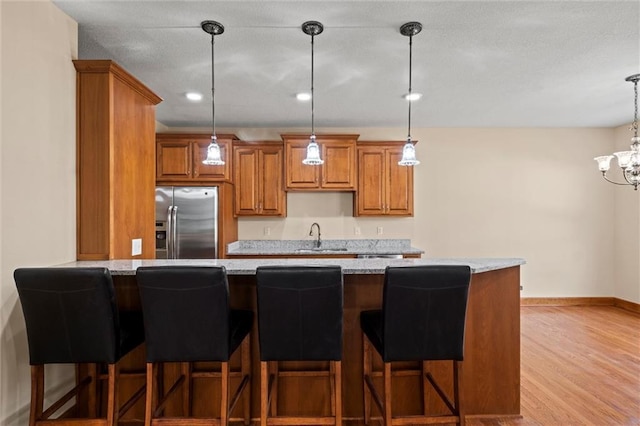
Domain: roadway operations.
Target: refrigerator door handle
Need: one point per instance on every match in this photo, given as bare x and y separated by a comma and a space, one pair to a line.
170, 233
174, 237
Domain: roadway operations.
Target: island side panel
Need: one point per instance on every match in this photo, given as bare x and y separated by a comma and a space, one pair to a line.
491, 368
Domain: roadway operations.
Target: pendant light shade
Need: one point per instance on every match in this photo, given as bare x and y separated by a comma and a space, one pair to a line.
409, 151
214, 157
312, 28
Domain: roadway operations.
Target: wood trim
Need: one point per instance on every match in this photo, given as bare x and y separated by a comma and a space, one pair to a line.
627, 305
581, 301
395, 143
173, 136
109, 66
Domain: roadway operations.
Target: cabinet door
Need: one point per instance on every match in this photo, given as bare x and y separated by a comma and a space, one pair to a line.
339, 168
300, 176
370, 198
204, 172
272, 200
399, 191
173, 160
246, 180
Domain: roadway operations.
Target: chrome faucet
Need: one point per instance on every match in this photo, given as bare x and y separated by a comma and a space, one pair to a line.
318, 241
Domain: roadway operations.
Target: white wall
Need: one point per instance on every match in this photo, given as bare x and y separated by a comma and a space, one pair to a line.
531, 193
627, 229
37, 175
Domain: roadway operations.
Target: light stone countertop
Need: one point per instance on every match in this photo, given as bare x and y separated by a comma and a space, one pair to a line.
248, 266
305, 247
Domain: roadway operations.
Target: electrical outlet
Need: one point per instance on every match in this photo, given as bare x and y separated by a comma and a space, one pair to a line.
521, 287
356, 230
380, 230
267, 230
136, 247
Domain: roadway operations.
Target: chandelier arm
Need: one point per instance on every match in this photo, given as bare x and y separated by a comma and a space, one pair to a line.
604, 175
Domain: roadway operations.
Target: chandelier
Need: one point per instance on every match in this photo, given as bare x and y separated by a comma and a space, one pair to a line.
628, 161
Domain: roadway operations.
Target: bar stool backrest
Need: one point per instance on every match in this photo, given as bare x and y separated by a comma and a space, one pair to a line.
70, 314
300, 313
186, 313
424, 312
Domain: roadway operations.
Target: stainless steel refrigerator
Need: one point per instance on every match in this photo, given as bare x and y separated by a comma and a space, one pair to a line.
186, 222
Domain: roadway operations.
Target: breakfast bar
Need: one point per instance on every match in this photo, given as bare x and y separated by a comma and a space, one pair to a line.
491, 368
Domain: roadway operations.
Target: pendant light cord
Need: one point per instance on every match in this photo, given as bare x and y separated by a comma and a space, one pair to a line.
313, 132
410, 59
213, 90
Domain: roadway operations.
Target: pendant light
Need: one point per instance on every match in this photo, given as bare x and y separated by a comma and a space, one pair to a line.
312, 28
409, 150
214, 157
628, 161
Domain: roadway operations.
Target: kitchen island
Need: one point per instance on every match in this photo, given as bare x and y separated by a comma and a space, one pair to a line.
491, 368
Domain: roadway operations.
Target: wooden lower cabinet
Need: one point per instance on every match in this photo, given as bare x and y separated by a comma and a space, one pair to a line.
258, 179
384, 187
491, 367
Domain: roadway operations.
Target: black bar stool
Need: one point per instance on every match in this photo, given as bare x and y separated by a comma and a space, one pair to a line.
422, 318
299, 319
72, 318
187, 318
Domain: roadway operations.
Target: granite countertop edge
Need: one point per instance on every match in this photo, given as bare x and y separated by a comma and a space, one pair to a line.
248, 266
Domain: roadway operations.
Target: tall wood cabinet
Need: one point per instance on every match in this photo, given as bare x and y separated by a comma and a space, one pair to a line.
258, 179
338, 173
115, 162
384, 187
179, 158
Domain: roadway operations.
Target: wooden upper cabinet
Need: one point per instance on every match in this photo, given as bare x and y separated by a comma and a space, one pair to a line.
384, 187
115, 167
338, 173
258, 179
179, 158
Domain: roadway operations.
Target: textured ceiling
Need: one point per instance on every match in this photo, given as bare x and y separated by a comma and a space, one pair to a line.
478, 63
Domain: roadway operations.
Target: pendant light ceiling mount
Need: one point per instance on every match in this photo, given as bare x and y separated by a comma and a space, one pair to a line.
212, 27
312, 28
409, 29
214, 156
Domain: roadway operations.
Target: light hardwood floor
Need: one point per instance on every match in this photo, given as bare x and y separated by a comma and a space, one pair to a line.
580, 365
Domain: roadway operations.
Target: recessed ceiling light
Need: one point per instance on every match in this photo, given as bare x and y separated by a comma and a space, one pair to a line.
303, 96
412, 96
193, 96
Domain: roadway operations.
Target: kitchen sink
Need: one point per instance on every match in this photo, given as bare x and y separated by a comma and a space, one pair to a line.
320, 250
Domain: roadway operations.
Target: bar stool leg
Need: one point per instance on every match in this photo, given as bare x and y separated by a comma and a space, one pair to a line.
387, 394
151, 394
273, 392
187, 385
332, 384
246, 372
366, 372
457, 365
337, 368
264, 392
425, 389
37, 393
224, 403
112, 396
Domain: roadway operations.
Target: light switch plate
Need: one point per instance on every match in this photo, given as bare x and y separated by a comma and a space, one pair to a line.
136, 247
